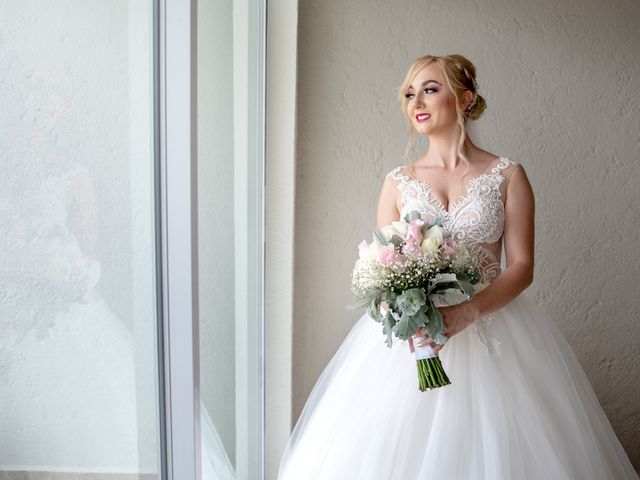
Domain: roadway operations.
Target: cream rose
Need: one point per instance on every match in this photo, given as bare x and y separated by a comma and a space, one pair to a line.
401, 227
430, 245
375, 247
434, 232
390, 230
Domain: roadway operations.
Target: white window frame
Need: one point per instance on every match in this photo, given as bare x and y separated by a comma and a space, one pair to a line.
176, 147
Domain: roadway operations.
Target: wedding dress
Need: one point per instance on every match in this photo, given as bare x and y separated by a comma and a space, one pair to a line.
68, 390
519, 405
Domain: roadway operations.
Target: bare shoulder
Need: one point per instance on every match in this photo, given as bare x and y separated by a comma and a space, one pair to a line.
518, 190
517, 175
389, 200
519, 222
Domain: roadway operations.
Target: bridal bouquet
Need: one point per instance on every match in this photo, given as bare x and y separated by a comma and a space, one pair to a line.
411, 268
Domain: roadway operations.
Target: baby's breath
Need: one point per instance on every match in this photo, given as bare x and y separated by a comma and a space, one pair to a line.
369, 276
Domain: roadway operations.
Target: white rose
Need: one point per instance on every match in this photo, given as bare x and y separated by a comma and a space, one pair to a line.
375, 247
435, 232
401, 227
389, 231
429, 246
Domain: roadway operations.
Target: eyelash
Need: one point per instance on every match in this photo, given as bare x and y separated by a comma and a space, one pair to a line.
408, 94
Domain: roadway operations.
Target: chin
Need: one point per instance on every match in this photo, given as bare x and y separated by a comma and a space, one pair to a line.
423, 130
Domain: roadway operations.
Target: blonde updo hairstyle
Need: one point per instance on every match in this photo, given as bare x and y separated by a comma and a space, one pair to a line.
459, 76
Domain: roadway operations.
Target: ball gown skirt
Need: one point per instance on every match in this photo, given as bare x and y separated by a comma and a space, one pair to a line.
519, 407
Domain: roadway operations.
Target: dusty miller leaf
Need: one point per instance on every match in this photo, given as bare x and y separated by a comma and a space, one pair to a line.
435, 325
412, 215
396, 240
411, 300
380, 237
362, 302
408, 324
387, 329
374, 309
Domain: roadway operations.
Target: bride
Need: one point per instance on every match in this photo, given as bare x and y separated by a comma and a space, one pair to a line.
520, 405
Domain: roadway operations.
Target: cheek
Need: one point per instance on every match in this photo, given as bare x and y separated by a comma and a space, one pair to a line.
444, 103
445, 107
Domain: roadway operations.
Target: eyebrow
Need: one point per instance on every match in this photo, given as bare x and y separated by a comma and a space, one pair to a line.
425, 82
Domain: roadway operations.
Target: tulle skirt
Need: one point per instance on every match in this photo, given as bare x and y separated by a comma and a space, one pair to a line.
519, 406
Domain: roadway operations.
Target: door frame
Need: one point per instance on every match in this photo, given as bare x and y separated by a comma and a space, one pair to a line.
175, 66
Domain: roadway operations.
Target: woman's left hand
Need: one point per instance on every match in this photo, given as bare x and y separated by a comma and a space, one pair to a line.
455, 318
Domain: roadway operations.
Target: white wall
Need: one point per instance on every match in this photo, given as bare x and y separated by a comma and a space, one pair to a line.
561, 84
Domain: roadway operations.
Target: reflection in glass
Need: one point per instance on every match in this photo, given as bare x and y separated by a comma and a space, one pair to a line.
215, 462
78, 389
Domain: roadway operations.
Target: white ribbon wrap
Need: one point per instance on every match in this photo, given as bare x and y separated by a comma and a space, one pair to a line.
423, 352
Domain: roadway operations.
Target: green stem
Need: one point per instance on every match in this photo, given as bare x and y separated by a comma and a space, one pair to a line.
431, 374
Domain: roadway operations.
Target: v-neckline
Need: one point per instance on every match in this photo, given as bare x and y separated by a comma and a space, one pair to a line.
461, 199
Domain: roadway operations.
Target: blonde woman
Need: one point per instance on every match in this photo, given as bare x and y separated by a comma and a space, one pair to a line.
520, 405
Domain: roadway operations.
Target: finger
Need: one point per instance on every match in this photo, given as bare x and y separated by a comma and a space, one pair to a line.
428, 341
424, 334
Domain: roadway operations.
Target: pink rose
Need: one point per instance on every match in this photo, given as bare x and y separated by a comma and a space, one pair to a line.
449, 247
413, 231
388, 255
413, 239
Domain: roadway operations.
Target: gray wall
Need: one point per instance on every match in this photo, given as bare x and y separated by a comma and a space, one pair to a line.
561, 83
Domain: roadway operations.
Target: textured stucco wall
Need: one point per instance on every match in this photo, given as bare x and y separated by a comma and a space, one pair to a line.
561, 83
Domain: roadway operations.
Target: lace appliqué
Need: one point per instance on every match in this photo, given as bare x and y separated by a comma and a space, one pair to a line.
491, 343
489, 269
477, 217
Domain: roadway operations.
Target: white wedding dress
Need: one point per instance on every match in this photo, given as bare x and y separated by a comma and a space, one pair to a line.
519, 406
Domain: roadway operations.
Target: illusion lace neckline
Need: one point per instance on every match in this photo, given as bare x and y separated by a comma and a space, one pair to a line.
465, 197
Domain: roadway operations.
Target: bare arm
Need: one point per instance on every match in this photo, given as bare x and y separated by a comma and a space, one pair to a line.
387, 209
518, 245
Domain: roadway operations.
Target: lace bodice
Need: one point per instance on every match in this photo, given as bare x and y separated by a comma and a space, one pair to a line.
477, 219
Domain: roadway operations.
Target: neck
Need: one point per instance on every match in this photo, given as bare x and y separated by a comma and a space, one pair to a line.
443, 149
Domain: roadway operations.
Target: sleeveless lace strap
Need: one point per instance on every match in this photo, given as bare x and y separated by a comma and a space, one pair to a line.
397, 175
502, 164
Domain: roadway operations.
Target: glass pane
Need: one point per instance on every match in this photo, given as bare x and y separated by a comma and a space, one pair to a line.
216, 238
230, 237
78, 371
